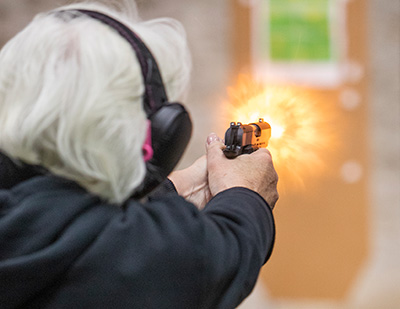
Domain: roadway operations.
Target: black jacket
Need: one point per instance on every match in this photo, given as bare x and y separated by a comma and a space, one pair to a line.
61, 247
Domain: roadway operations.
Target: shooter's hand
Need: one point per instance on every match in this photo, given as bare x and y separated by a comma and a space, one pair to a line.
254, 171
192, 183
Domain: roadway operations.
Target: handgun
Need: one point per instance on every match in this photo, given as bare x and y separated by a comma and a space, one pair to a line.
246, 138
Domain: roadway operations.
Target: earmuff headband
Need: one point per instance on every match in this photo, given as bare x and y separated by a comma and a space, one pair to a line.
155, 94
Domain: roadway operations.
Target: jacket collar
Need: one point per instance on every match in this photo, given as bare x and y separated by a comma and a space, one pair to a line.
13, 172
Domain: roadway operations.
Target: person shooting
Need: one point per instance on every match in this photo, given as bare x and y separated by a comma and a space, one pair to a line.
92, 214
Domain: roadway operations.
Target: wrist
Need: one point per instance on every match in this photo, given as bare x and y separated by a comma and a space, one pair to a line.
185, 184
179, 182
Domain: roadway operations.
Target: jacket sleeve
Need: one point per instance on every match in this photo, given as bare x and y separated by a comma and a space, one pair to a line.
239, 234
168, 254
166, 187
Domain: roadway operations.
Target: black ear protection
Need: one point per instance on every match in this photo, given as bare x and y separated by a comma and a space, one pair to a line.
171, 127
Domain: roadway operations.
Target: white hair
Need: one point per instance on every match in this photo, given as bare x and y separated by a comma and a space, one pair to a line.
71, 93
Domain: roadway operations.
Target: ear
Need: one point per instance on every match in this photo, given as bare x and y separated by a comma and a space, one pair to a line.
147, 147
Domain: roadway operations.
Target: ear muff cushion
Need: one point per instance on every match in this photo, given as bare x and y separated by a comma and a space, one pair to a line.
171, 129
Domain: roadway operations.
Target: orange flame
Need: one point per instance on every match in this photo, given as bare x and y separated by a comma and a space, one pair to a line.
301, 129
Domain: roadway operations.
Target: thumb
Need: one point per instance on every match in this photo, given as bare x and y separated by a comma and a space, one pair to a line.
214, 141
214, 146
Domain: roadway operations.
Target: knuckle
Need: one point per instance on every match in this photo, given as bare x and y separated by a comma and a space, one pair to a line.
264, 152
265, 156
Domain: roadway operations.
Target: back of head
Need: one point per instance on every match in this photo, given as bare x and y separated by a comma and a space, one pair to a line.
71, 95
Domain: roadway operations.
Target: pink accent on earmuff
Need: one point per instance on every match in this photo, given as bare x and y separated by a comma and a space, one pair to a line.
147, 146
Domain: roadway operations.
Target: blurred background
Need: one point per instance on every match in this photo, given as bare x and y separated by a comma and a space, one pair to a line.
326, 75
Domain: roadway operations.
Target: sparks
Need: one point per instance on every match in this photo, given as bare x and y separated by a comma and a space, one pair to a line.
299, 134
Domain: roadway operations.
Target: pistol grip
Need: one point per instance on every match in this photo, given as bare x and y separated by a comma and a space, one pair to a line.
230, 154
249, 149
